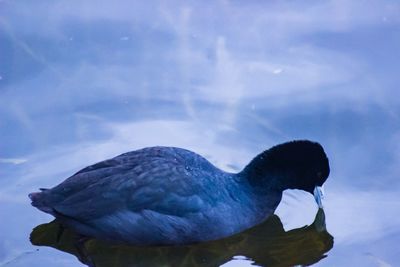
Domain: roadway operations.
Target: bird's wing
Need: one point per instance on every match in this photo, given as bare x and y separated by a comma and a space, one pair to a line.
161, 184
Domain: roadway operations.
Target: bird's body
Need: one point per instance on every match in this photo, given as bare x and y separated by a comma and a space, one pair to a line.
161, 196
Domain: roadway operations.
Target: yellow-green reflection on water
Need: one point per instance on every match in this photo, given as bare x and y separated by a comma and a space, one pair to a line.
267, 244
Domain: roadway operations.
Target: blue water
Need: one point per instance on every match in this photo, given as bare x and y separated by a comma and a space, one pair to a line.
84, 81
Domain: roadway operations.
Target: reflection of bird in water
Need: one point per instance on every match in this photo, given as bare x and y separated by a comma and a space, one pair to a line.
267, 244
172, 196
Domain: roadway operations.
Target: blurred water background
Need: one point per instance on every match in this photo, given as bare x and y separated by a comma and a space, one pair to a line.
82, 81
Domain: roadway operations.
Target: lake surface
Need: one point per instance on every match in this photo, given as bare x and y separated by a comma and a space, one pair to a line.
84, 81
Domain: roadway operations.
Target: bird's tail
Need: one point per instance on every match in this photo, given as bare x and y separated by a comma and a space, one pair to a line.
39, 201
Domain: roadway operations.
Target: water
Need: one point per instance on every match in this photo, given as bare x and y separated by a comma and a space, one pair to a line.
81, 82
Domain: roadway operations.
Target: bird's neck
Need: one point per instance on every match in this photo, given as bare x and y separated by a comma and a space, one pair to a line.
263, 173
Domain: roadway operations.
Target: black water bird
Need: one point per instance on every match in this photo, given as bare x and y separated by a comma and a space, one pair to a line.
172, 196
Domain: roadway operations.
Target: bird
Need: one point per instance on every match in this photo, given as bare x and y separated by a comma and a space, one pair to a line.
158, 196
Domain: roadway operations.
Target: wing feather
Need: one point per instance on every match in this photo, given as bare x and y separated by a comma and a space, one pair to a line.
133, 182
